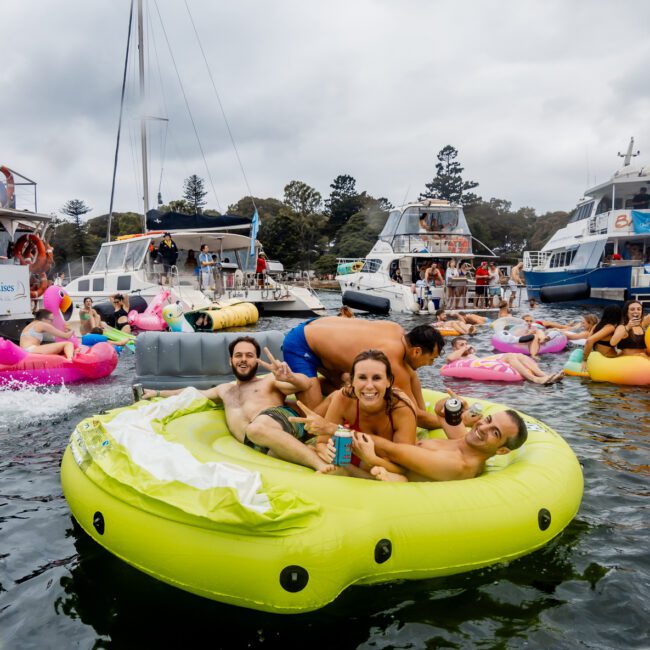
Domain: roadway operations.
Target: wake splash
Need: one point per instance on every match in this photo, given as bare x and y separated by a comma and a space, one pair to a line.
23, 404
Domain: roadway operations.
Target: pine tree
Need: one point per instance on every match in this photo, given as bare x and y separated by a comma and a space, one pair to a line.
448, 183
194, 192
76, 208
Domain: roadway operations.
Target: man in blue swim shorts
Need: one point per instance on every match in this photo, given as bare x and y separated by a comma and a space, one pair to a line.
328, 345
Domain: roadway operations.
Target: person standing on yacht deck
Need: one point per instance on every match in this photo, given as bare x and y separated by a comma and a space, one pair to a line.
169, 254
205, 265
514, 281
641, 201
482, 278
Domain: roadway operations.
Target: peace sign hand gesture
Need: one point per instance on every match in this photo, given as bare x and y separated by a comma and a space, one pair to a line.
314, 423
280, 369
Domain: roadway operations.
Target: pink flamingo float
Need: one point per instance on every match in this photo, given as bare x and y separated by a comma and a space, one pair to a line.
151, 319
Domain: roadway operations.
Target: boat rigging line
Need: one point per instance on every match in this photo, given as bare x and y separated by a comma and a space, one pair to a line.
119, 124
223, 112
187, 105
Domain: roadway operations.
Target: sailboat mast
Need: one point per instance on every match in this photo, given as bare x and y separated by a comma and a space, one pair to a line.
143, 119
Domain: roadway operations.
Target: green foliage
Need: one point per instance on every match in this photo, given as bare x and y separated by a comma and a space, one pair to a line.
245, 207
75, 209
448, 183
194, 193
343, 202
325, 264
302, 198
178, 205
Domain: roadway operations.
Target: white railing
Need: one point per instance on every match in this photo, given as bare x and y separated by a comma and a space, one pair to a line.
536, 260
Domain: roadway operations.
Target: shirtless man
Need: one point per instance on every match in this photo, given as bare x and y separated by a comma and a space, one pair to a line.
514, 281
443, 322
254, 406
524, 365
463, 455
328, 345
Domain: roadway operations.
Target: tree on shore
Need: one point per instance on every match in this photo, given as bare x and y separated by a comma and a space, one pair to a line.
75, 209
448, 183
194, 192
343, 202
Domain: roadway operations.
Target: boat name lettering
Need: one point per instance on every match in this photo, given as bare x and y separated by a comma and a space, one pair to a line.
7, 288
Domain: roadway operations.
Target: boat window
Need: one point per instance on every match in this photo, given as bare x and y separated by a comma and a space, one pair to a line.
124, 283
582, 212
135, 251
116, 257
444, 220
100, 261
604, 205
371, 266
229, 256
84, 285
588, 255
98, 284
390, 227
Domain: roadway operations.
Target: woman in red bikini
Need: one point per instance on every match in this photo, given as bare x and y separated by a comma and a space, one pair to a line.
369, 404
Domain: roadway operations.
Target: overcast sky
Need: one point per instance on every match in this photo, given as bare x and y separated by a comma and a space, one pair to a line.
538, 97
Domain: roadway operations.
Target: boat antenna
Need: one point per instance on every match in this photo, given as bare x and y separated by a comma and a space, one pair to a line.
408, 189
628, 155
119, 125
223, 112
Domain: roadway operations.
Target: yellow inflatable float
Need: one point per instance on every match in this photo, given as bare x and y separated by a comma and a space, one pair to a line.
223, 315
630, 369
164, 486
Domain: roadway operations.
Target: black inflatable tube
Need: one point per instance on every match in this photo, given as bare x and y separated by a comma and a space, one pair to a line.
106, 310
565, 292
364, 302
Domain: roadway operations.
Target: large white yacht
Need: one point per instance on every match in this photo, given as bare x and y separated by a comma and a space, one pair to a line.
414, 234
603, 254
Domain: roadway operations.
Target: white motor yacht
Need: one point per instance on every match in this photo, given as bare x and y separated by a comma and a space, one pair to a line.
417, 233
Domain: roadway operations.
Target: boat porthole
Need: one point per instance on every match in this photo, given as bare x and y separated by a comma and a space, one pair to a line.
294, 578
544, 519
383, 551
98, 522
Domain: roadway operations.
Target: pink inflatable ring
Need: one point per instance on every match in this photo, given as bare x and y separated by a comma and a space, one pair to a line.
486, 369
505, 342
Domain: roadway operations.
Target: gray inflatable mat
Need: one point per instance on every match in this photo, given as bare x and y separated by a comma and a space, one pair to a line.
200, 359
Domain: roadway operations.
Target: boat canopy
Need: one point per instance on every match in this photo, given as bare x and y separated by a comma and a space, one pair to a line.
157, 220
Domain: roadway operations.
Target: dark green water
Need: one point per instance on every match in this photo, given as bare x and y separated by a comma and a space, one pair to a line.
589, 588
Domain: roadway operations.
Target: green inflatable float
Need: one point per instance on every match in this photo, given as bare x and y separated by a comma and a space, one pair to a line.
165, 487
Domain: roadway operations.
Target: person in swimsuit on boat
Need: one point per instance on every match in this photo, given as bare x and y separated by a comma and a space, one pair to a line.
369, 404
38, 336
121, 303
600, 339
89, 318
522, 363
329, 344
629, 336
463, 455
255, 407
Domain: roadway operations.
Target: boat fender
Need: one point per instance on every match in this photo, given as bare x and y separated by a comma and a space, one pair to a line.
364, 302
565, 292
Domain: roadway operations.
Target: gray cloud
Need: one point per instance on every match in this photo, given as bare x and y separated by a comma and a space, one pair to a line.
537, 97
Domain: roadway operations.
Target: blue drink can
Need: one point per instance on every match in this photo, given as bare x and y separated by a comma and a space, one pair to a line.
343, 446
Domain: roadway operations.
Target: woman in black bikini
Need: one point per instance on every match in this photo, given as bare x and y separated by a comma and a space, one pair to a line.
600, 340
121, 303
629, 335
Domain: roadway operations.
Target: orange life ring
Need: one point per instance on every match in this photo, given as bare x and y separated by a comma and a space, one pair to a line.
10, 186
623, 221
26, 243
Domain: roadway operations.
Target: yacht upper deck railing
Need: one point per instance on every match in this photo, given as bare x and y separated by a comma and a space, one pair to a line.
434, 242
536, 260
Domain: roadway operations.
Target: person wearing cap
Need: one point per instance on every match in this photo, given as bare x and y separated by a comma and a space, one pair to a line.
169, 254
482, 276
